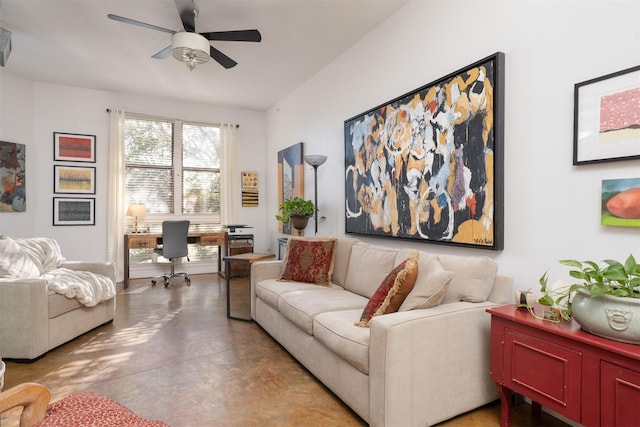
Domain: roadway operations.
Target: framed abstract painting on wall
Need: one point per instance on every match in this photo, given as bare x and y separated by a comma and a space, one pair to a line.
13, 197
290, 178
428, 165
606, 122
72, 147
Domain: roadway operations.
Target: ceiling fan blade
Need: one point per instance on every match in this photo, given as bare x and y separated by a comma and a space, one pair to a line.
164, 53
187, 12
138, 23
234, 36
223, 59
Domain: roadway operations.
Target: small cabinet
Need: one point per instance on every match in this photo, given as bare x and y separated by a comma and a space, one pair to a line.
588, 379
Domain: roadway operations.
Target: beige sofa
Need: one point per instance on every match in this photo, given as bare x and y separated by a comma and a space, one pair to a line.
408, 368
33, 318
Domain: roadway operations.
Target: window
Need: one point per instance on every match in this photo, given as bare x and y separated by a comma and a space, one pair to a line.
173, 168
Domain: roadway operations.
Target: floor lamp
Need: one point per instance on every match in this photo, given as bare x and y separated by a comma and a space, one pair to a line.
314, 161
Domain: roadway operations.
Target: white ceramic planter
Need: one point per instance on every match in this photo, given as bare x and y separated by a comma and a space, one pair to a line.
608, 316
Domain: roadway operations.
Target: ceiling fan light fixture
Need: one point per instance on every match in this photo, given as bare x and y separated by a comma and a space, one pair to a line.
190, 48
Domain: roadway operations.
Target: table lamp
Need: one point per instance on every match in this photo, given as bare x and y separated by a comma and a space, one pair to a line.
136, 211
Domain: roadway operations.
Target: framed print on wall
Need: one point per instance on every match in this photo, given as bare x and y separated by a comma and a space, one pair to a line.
606, 118
74, 211
621, 202
74, 180
290, 178
428, 165
72, 147
13, 189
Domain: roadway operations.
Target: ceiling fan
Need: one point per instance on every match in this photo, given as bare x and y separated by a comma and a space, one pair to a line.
190, 47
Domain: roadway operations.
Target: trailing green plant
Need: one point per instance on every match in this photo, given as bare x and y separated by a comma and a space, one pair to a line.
295, 206
614, 278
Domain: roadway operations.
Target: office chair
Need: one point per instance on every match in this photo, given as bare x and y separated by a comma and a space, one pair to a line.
174, 245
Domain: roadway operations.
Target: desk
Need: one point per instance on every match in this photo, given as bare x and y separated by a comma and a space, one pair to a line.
151, 241
247, 258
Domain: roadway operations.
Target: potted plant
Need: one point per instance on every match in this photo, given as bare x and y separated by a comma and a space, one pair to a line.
605, 301
297, 212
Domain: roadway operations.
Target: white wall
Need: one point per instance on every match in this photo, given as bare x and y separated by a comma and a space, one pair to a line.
32, 111
552, 209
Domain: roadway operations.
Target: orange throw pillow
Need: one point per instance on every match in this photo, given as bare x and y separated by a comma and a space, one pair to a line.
392, 291
309, 261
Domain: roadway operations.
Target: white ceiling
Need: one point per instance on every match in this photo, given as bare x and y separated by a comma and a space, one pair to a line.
72, 42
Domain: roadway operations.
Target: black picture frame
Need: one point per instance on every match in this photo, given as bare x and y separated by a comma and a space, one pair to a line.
74, 147
428, 165
74, 179
606, 124
74, 211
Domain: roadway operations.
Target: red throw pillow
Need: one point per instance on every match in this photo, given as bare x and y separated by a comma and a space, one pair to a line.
309, 261
392, 291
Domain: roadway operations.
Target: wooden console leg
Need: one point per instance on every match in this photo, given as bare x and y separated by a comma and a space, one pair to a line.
536, 410
505, 405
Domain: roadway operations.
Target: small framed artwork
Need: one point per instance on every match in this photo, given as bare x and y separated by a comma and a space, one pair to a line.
606, 123
74, 211
72, 147
249, 189
74, 180
621, 202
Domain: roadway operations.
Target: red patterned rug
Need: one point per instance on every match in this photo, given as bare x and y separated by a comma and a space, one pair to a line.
91, 409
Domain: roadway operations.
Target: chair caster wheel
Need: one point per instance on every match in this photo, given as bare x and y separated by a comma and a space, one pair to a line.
188, 282
153, 283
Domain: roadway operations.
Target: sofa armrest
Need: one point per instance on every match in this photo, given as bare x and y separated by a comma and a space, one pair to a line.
262, 270
428, 365
105, 268
24, 315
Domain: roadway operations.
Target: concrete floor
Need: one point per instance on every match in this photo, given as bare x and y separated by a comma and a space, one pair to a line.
171, 354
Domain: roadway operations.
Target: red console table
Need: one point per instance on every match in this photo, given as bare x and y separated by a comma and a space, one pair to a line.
590, 380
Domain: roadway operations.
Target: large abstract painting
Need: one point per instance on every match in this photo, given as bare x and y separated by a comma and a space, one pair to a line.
290, 178
12, 177
428, 165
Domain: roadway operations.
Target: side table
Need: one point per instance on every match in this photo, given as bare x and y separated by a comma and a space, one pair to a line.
588, 379
247, 258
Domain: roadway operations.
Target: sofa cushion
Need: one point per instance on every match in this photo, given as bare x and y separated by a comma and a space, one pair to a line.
270, 290
301, 307
14, 262
431, 284
473, 279
368, 266
309, 261
341, 259
392, 291
336, 330
59, 304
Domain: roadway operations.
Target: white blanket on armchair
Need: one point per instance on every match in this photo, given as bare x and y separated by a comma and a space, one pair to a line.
40, 257
88, 288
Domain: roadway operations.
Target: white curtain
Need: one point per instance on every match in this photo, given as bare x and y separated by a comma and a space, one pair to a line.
116, 194
228, 174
